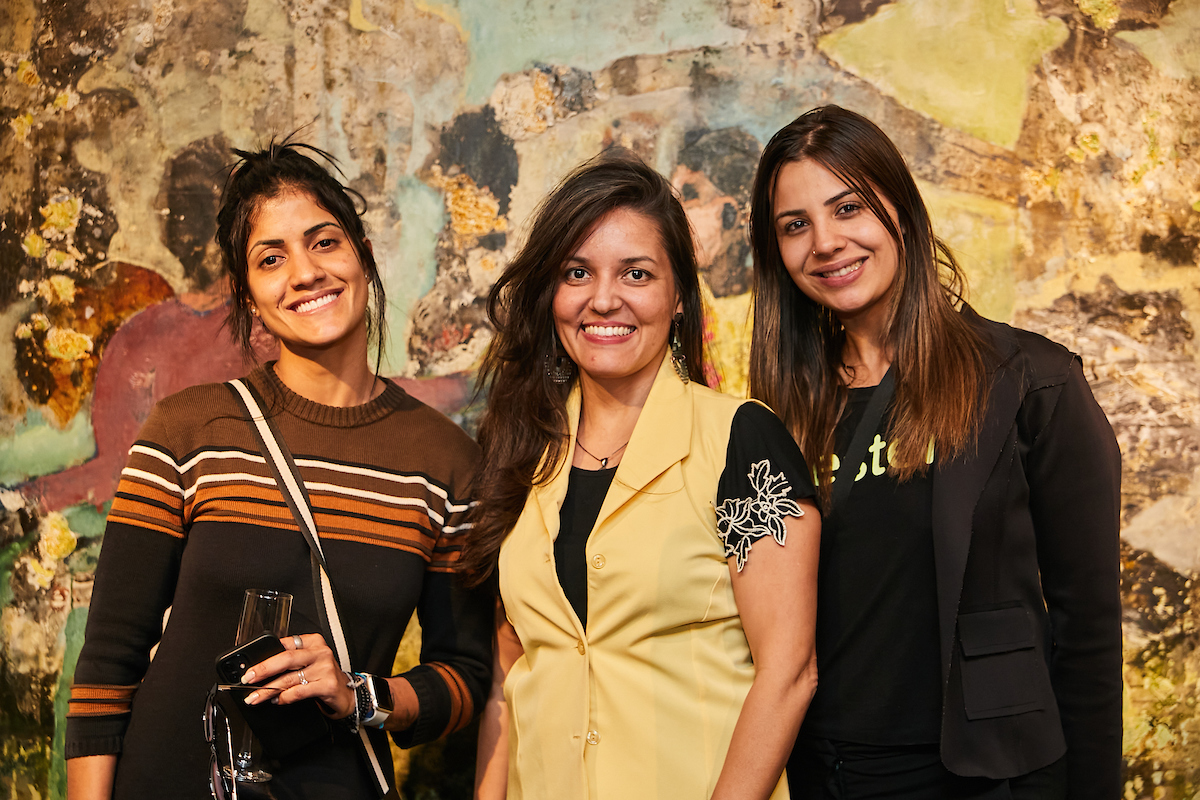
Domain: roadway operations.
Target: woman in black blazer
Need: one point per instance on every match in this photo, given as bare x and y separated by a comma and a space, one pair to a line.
968, 634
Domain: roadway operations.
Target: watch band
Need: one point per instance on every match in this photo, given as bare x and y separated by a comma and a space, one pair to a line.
374, 700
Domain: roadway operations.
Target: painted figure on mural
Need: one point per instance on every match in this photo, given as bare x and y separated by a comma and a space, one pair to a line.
968, 632
198, 519
655, 542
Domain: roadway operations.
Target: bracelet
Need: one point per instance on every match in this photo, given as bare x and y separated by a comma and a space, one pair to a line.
353, 682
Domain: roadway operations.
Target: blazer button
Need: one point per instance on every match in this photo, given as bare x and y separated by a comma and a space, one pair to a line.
581, 647
593, 737
598, 561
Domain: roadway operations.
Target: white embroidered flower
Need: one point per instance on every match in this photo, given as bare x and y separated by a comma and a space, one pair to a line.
741, 520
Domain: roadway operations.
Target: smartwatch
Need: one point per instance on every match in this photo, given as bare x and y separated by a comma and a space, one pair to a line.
374, 697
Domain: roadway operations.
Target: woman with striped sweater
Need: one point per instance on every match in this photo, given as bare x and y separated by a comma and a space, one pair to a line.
198, 519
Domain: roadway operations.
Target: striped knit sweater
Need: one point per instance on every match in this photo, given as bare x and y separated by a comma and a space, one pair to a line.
198, 519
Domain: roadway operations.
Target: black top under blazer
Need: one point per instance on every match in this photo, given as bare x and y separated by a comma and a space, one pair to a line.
1025, 531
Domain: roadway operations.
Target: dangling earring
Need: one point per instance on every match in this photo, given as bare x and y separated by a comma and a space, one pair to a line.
559, 367
678, 359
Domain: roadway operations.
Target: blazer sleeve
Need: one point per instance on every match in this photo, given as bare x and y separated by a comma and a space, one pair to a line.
1073, 467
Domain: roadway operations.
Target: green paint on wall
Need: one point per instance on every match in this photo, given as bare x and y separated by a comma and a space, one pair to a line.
966, 63
37, 448
73, 633
8, 556
510, 37
1172, 46
982, 233
87, 520
409, 272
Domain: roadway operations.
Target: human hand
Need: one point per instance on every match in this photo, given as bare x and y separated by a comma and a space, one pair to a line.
308, 668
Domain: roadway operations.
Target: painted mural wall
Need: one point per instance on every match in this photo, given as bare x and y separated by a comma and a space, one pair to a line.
1057, 142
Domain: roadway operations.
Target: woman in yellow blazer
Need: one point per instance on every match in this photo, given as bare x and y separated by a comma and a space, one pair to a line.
644, 650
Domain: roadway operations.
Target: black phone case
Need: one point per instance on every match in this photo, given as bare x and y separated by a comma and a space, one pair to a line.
281, 729
232, 664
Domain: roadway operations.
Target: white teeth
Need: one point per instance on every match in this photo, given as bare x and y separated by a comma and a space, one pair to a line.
311, 305
608, 330
846, 270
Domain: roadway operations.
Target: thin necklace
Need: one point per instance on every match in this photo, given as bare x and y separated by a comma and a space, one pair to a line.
603, 461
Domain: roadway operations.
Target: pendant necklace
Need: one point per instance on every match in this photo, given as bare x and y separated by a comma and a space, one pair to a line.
603, 461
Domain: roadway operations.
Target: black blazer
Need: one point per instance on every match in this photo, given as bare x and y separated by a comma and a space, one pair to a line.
1025, 531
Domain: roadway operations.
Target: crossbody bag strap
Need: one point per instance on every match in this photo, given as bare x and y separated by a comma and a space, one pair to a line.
287, 476
867, 427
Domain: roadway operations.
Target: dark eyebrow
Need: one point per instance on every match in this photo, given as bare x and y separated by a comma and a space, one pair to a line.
278, 242
829, 202
630, 260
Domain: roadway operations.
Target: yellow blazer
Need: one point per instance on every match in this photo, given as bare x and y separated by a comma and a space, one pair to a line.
642, 702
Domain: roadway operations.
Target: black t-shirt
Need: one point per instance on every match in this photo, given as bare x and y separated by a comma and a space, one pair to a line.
877, 629
764, 476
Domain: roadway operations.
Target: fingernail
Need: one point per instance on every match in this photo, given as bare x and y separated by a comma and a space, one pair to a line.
248, 677
251, 698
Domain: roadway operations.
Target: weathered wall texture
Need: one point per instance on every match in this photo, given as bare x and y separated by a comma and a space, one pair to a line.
1058, 142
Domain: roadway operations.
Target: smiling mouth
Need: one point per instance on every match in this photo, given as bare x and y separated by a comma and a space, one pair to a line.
608, 330
842, 271
315, 303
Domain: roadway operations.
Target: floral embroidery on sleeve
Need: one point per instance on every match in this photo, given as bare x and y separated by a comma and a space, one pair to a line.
741, 520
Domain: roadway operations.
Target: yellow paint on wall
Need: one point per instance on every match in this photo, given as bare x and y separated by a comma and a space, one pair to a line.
728, 324
965, 63
1103, 13
982, 233
444, 12
357, 20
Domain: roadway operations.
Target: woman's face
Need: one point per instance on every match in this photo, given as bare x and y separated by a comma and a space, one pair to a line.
834, 247
615, 300
305, 279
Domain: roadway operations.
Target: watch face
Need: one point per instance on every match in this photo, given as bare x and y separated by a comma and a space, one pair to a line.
383, 694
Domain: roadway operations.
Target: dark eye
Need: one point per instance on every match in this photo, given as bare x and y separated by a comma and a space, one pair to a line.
850, 207
794, 226
325, 243
576, 274
270, 261
638, 274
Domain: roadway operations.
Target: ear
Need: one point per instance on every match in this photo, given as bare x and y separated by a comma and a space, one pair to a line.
370, 247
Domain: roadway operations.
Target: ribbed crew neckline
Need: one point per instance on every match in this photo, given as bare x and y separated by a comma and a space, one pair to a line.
328, 416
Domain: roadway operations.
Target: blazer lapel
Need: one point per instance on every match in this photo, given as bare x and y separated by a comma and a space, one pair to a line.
957, 487
662, 437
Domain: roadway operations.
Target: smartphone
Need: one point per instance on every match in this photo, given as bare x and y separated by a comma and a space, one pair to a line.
232, 664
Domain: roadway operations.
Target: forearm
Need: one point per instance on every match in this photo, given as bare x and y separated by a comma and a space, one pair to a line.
407, 707
91, 777
765, 732
491, 755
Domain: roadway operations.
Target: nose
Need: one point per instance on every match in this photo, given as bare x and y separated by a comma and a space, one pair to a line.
305, 269
827, 239
606, 297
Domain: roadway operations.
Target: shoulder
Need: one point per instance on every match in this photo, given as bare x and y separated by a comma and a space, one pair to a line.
430, 441
178, 418
1037, 361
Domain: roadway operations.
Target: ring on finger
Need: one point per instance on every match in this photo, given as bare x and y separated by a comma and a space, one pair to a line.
296, 640
303, 680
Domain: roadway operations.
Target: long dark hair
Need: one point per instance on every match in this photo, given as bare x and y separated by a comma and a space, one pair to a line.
260, 175
796, 345
524, 430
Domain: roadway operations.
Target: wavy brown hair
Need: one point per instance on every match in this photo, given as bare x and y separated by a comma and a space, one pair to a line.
524, 429
796, 346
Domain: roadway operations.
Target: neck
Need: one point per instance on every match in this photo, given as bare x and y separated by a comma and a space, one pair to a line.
865, 355
329, 380
608, 413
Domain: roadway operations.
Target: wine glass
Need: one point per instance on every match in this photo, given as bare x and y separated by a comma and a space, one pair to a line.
264, 611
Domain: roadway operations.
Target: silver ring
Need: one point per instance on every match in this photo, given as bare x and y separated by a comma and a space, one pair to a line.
296, 640
303, 680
